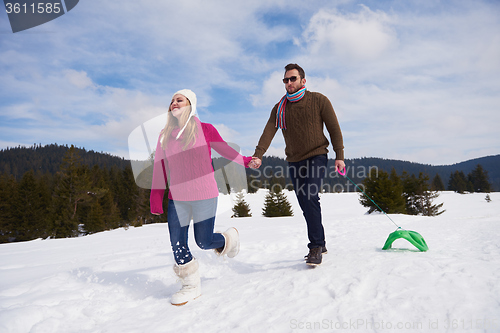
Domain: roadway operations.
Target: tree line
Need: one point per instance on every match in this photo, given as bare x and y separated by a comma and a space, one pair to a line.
476, 181
273, 172
47, 159
76, 200
90, 192
405, 194
414, 195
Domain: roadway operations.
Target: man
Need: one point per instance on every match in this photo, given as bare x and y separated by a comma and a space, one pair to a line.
300, 115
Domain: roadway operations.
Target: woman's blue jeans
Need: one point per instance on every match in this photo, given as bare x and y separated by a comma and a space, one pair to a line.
307, 177
179, 215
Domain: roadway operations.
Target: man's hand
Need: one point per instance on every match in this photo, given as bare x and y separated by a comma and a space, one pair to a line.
255, 163
339, 165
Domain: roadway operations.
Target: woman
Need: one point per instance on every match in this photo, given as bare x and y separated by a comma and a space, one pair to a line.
183, 162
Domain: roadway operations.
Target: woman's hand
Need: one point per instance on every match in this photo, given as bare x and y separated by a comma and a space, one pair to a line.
255, 163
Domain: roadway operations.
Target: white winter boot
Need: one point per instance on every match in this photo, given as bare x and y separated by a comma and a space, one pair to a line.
232, 244
191, 284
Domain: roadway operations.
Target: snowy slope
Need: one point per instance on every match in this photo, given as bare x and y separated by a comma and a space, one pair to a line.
121, 280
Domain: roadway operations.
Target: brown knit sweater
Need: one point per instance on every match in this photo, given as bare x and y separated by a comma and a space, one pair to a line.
304, 135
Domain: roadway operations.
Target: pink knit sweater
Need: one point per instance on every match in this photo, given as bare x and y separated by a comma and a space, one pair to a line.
189, 173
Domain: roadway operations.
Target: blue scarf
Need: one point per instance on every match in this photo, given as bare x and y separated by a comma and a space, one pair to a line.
280, 113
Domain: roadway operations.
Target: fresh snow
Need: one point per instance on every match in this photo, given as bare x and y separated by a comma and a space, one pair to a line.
122, 280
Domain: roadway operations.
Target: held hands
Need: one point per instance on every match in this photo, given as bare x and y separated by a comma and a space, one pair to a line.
255, 163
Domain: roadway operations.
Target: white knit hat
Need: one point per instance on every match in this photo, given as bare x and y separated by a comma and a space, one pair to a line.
191, 96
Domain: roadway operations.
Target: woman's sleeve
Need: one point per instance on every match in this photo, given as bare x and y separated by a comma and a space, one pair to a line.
219, 145
159, 183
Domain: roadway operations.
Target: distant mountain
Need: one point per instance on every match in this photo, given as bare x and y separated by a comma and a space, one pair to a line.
490, 163
359, 168
47, 159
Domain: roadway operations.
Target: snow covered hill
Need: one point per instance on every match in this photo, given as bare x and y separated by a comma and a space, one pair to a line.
122, 280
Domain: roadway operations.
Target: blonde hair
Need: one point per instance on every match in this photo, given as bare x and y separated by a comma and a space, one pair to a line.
188, 136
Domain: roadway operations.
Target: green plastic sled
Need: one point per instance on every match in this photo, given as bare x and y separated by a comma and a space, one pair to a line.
412, 236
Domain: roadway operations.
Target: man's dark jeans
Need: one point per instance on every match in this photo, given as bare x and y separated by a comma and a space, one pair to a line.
307, 177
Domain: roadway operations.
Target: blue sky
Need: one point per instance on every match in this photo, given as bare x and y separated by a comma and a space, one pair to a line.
410, 80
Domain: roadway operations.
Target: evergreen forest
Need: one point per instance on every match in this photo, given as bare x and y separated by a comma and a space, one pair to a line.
85, 194
62, 191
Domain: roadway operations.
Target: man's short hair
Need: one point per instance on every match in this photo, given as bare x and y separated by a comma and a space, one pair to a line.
289, 67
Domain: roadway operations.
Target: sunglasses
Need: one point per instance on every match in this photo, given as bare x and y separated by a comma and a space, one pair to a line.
292, 79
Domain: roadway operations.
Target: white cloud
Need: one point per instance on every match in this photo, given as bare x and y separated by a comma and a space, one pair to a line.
271, 93
419, 86
68, 107
78, 78
361, 36
227, 133
405, 81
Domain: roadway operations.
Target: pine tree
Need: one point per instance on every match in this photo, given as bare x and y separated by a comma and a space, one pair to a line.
406, 194
8, 189
276, 203
72, 189
94, 221
128, 196
283, 204
31, 208
437, 183
479, 179
386, 191
143, 213
102, 187
241, 208
418, 196
270, 207
110, 211
428, 209
459, 183
413, 191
